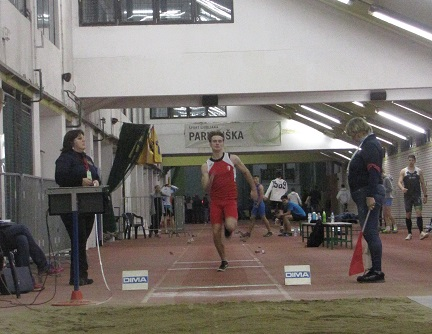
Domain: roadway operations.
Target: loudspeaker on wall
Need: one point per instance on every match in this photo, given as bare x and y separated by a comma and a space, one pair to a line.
210, 100
378, 95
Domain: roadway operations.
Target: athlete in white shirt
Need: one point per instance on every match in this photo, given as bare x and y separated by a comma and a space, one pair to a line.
277, 188
294, 197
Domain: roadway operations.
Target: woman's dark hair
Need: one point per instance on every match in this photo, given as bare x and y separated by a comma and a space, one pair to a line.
69, 138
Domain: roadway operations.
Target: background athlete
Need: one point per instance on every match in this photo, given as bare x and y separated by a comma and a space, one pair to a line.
276, 189
258, 210
411, 182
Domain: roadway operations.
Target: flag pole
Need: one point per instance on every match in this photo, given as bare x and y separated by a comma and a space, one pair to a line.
356, 265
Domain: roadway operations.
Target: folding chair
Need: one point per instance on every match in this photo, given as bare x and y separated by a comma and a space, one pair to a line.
129, 222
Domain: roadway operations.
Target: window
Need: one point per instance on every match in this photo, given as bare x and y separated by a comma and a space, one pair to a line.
211, 11
47, 19
21, 6
159, 113
137, 11
174, 11
18, 133
123, 12
188, 112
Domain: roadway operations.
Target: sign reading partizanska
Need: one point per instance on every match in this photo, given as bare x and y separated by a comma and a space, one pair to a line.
236, 133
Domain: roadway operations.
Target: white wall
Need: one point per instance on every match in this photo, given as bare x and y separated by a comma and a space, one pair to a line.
17, 51
272, 47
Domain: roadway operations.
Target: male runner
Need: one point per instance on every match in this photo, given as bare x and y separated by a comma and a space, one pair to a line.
218, 180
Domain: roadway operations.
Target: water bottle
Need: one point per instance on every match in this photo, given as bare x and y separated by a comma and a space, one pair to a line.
309, 217
319, 216
332, 217
314, 216
324, 217
295, 231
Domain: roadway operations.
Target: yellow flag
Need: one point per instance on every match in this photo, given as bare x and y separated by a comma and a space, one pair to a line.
157, 155
146, 156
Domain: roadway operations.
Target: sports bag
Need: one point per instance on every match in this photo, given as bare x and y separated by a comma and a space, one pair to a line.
316, 238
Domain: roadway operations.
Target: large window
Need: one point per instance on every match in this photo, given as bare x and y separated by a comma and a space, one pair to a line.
18, 133
21, 6
47, 19
122, 12
188, 112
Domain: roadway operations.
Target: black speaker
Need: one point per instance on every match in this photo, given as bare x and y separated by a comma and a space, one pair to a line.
210, 100
378, 95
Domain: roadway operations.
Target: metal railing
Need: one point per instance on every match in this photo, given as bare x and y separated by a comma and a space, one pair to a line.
142, 206
23, 200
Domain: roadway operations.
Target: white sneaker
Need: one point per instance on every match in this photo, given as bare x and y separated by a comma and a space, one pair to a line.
408, 237
423, 235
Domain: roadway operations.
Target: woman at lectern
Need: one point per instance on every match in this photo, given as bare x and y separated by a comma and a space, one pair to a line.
74, 168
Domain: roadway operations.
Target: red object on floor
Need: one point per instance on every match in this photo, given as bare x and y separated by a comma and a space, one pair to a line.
76, 300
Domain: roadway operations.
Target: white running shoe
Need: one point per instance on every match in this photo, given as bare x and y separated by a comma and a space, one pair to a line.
408, 237
423, 235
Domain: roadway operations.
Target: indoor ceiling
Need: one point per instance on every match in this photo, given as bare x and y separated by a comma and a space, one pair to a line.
418, 112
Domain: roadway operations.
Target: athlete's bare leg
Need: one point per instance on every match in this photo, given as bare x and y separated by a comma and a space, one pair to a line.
286, 224
217, 239
266, 223
252, 224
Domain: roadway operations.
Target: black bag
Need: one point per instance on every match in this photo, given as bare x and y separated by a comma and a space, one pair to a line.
24, 280
316, 238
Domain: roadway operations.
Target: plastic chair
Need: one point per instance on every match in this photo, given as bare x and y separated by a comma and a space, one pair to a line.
132, 220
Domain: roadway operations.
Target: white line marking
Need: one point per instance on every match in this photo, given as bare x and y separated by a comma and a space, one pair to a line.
213, 268
230, 261
272, 279
213, 294
150, 293
217, 286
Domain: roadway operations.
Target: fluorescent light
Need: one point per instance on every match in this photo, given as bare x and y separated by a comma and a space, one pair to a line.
412, 110
343, 156
357, 103
401, 121
346, 2
325, 155
337, 109
385, 141
389, 131
398, 21
278, 105
314, 121
335, 120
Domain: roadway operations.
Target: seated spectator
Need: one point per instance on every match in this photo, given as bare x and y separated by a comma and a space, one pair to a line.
291, 211
18, 237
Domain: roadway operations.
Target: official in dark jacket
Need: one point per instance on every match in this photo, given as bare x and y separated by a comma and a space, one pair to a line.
74, 168
367, 190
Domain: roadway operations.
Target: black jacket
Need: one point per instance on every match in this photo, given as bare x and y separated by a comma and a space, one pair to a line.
71, 169
365, 168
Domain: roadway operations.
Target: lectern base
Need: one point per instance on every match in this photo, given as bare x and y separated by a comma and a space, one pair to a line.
76, 300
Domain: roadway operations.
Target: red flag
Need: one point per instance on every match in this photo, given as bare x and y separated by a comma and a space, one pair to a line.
356, 266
